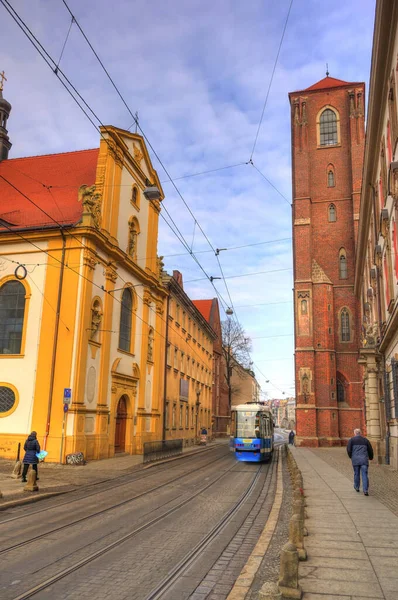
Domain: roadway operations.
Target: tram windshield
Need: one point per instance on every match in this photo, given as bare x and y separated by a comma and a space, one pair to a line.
252, 425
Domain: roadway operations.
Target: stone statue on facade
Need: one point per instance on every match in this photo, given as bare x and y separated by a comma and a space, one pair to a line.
91, 202
96, 318
371, 335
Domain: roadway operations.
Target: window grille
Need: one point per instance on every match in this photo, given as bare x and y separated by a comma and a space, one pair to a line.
330, 179
328, 128
345, 326
394, 365
125, 321
12, 310
332, 214
7, 399
340, 391
387, 395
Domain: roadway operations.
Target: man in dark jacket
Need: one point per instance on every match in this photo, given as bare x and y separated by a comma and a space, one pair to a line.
31, 447
291, 437
360, 450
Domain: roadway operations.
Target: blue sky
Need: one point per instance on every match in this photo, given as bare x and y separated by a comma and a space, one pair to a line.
197, 72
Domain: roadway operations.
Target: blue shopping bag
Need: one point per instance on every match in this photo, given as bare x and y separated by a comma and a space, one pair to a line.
41, 455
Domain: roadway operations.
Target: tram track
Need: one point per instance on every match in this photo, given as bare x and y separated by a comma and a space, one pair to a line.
104, 510
113, 545
103, 491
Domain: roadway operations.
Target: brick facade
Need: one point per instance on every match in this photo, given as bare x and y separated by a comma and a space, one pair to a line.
326, 192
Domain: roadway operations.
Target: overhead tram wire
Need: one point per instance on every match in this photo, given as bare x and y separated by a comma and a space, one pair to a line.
155, 153
38, 46
67, 266
271, 80
48, 59
244, 274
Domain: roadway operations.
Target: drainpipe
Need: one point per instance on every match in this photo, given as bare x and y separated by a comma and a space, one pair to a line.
165, 369
55, 343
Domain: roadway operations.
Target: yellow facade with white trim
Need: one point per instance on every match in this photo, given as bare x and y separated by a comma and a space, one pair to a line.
86, 270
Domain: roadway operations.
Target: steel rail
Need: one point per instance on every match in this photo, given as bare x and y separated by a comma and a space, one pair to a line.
103, 511
91, 557
95, 492
190, 558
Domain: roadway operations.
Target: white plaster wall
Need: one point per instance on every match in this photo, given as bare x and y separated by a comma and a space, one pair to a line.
128, 210
21, 372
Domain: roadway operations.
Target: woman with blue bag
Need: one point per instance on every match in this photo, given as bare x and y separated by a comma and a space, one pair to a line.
32, 448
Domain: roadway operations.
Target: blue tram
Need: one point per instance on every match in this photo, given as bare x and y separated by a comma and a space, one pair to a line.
252, 429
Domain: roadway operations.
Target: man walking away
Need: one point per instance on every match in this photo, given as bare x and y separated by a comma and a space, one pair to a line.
360, 450
291, 438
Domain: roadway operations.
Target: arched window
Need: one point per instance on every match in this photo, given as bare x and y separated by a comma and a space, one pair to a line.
330, 178
126, 314
345, 326
340, 391
343, 271
135, 198
332, 214
12, 311
328, 128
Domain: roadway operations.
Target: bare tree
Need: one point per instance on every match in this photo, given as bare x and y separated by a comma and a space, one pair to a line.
236, 348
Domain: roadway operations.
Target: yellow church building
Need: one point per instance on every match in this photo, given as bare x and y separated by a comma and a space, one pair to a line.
82, 323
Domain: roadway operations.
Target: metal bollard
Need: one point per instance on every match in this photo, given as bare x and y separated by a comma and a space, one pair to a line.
288, 575
31, 486
296, 536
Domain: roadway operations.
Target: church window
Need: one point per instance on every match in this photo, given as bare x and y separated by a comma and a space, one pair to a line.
331, 178
135, 198
340, 391
345, 326
126, 314
343, 271
12, 312
332, 214
328, 128
8, 400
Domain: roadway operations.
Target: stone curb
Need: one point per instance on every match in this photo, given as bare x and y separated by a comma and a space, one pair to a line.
293, 551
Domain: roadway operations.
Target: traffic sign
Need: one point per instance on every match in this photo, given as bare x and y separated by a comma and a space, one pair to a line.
67, 395
66, 408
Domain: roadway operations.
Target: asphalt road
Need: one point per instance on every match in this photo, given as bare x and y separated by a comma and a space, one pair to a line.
123, 541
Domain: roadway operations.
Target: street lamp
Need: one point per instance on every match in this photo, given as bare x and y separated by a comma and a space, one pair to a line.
197, 404
152, 192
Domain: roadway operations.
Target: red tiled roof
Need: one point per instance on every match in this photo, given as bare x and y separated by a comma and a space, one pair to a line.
52, 182
328, 82
204, 307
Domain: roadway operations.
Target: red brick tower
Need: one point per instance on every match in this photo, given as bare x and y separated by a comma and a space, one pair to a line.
327, 155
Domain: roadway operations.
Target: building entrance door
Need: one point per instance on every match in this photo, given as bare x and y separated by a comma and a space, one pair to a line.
120, 431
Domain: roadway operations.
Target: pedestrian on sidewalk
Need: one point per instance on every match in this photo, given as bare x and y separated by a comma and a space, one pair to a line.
31, 447
291, 438
360, 450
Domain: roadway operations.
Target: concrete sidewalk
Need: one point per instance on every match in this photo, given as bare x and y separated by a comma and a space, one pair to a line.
63, 478
352, 541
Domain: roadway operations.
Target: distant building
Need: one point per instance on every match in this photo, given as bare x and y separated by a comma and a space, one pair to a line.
245, 387
221, 413
328, 136
377, 253
189, 371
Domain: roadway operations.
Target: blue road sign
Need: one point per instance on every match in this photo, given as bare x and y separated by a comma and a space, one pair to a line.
66, 408
67, 393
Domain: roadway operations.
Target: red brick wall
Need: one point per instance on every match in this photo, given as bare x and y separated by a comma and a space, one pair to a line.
321, 420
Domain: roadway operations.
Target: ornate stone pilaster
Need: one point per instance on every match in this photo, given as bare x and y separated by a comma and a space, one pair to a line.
370, 359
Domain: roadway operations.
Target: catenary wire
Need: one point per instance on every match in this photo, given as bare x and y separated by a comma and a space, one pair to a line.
271, 80
56, 70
